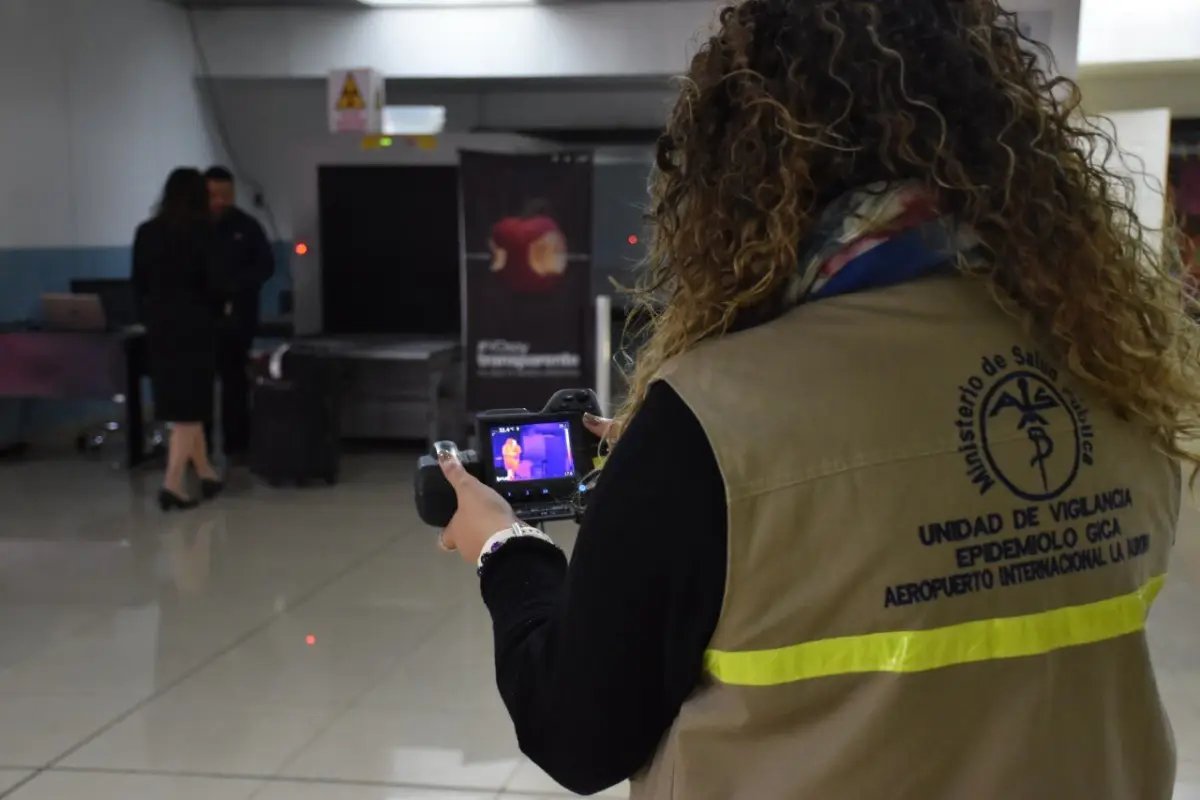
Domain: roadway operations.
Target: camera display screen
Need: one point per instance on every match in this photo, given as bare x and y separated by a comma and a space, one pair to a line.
535, 451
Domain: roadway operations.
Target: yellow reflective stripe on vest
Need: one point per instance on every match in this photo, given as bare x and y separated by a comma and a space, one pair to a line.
920, 651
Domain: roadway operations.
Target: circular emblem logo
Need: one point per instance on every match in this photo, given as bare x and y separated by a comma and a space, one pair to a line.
1030, 436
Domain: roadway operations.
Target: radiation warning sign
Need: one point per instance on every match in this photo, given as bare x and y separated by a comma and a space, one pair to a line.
351, 97
356, 101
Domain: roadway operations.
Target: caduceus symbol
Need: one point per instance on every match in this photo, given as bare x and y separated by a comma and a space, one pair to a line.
1031, 405
1043, 446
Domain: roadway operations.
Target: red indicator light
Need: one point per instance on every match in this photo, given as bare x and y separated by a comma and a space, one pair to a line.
632, 240
301, 249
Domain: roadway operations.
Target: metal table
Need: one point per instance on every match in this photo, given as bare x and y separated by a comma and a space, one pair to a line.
394, 387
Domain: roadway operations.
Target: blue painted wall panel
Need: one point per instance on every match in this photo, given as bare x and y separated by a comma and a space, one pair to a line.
25, 274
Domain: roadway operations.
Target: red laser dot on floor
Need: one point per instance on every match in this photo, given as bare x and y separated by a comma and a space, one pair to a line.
632, 240
301, 249
310, 640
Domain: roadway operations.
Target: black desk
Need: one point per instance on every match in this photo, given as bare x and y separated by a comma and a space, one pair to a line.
77, 366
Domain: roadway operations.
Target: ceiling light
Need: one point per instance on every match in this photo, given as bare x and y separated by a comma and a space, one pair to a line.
413, 120
444, 3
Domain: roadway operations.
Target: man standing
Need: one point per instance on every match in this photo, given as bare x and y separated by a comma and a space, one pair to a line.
247, 260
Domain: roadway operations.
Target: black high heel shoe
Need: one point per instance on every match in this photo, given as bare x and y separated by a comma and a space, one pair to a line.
209, 488
169, 501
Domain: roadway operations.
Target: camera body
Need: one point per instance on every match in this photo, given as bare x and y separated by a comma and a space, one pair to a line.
535, 459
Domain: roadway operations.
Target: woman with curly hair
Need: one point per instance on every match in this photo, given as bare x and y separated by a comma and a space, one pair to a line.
899, 474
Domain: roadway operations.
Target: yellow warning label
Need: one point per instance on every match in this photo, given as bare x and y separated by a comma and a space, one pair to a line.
351, 98
376, 142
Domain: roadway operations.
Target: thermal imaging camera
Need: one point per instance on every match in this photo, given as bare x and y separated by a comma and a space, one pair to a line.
538, 461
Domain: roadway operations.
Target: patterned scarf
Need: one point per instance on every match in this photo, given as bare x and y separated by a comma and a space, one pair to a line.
878, 236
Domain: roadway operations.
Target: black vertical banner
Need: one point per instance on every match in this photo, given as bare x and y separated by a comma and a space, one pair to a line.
1183, 190
527, 230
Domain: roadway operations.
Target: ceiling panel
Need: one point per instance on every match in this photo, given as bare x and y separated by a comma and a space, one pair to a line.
265, 3
314, 3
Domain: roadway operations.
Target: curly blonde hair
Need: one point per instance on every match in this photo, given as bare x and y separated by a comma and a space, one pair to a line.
793, 102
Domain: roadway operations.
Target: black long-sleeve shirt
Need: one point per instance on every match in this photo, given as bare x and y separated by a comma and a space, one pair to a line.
248, 263
177, 279
594, 660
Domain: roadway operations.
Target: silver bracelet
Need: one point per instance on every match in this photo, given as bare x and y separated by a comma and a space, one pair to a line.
519, 530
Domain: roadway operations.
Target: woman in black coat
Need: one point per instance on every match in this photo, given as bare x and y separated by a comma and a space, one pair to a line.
178, 283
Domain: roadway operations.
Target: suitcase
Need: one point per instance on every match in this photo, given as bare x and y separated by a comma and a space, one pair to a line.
294, 419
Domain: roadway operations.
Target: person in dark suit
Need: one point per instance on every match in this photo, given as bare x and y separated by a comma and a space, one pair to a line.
248, 263
178, 281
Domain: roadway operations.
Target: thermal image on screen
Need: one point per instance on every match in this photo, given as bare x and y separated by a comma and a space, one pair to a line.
535, 452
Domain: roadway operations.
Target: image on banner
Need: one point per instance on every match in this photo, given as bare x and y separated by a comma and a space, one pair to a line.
527, 275
1184, 192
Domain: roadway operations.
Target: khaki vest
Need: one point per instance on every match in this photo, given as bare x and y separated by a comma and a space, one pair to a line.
942, 551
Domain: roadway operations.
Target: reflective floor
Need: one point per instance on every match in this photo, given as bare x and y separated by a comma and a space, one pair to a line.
292, 645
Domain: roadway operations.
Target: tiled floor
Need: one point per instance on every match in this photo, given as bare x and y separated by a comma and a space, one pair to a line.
289, 645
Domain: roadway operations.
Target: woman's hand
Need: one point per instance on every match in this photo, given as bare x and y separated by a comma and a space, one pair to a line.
481, 511
599, 426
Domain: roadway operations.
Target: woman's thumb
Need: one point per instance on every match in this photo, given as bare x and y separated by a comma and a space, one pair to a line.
597, 425
449, 461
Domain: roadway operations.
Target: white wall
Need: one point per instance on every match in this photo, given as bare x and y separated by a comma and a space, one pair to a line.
641, 37
1130, 32
1144, 139
1055, 23
99, 103
1174, 89
268, 120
